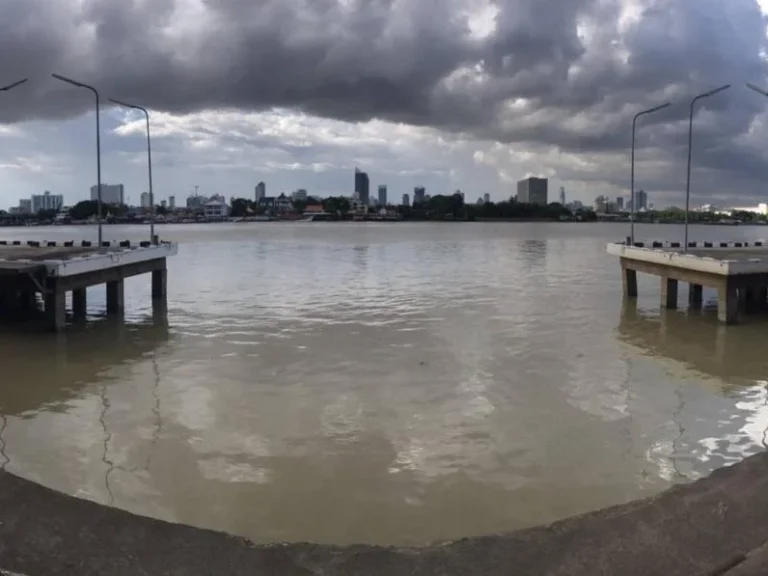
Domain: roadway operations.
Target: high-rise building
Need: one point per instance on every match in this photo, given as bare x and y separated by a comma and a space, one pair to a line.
419, 194
619, 203
146, 201
299, 194
110, 193
486, 198
600, 203
46, 201
261, 191
171, 203
562, 195
406, 200
532, 191
25, 206
642, 200
362, 187
382, 195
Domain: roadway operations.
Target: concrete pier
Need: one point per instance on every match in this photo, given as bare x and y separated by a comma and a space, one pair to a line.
738, 271
54, 269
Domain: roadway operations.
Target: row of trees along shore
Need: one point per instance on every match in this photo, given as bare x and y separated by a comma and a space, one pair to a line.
82, 211
440, 207
436, 208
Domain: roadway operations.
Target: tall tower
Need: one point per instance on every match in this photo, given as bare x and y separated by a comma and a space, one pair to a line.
362, 187
562, 195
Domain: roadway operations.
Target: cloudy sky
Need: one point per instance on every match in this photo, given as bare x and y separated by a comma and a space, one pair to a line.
469, 94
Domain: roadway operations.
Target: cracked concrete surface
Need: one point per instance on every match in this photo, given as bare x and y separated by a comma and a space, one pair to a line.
712, 527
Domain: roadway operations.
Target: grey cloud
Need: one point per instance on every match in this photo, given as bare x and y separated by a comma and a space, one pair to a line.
400, 61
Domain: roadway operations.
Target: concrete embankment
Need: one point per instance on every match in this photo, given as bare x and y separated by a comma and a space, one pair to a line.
717, 525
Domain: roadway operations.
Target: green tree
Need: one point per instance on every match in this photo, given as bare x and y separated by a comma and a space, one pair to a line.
299, 205
84, 210
46, 214
337, 205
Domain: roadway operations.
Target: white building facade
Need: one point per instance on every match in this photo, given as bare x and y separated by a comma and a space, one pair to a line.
216, 208
46, 201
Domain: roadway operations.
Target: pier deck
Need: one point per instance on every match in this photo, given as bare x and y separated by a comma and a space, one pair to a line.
52, 269
738, 271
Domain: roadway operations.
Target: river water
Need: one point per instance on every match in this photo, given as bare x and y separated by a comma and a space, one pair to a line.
382, 383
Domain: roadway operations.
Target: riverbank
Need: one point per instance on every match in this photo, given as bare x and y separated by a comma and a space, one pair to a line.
714, 526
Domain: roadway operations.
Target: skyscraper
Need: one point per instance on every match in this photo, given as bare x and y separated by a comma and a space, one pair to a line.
562, 195
642, 200
46, 201
145, 201
362, 187
110, 193
532, 191
406, 200
419, 194
261, 191
486, 198
382, 195
171, 203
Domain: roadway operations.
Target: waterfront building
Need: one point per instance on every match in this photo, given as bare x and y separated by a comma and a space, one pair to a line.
110, 193
532, 191
46, 201
382, 195
362, 186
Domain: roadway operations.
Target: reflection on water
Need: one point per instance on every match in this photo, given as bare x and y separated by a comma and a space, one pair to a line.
380, 383
717, 430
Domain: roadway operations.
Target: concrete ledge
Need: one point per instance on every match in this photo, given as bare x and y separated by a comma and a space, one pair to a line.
719, 261
708, 244
699, 529
677, 259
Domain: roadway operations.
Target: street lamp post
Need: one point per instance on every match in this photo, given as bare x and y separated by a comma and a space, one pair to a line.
690, 142
632, 168
757, 89
98, 142
14, 85
149, 158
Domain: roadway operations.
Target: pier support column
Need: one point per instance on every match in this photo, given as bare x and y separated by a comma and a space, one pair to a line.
79, 302
746, 300
55, 308
629, 280
115, 297
160, 283
762, 299
695, 296
727, 304
27, 300
668, 293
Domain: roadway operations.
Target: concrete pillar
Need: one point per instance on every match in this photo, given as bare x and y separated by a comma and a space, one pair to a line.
160, 284
159, 313
79, 303
745, 298
27, 300
55, 308
762, 299
727, 305
115, 297
629, 279
695, 296
668, 293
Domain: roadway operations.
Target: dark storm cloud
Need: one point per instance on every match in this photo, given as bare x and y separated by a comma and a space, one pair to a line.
581, 74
